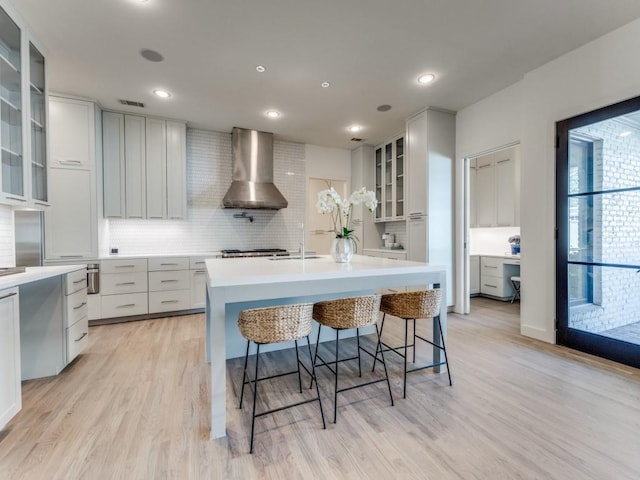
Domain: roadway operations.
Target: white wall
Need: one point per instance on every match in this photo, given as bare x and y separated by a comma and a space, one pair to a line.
597, 74
324, 162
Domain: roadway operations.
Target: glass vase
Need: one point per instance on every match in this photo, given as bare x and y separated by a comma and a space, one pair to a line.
342, 249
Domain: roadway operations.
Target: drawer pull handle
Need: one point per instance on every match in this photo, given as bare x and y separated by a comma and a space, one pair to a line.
484, 166
8, 295
125, 283
70, 256
80, 306
168, 264
125, 266
199, 263
15, 198
168, 281
80, 281
169, 301
490, 266
128, 305
81, 337
70, 162
492, 286
200, 272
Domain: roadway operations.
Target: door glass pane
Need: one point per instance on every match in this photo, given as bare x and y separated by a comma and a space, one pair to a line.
38, 125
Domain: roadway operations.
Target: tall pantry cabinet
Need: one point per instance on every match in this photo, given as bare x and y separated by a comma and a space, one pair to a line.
430, 150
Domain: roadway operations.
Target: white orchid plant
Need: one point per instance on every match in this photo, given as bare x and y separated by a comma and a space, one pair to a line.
329, 201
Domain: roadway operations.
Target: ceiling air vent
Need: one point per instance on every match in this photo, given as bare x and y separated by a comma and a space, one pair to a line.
131, 103
356, 139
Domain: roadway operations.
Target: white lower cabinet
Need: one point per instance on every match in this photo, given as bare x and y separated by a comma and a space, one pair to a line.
495, 276
170, 301
474, 284
198, 288
75, 313
10, 390
124, 287
169, 285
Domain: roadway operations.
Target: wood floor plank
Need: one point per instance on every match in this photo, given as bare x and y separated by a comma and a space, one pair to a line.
135, 405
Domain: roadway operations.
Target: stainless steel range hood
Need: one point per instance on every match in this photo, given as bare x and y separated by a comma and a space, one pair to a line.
252, 185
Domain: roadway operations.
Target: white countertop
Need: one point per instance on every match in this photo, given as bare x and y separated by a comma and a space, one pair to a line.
33, 274
252, 271
385, 250
497, 255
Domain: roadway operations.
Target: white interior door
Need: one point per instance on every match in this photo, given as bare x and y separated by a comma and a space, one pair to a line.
319, 229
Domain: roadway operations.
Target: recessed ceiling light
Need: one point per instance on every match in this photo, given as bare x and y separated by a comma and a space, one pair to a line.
161, 93
626, 133
273, 114
260, 68
354, 128
325, 84
426, 78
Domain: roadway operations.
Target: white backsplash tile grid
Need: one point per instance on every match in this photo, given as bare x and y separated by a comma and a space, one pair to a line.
7, 247
209, 227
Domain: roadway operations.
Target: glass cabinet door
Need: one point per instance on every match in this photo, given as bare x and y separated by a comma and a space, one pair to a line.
378, 180
38, 125
12, 174
388, 180
399, 177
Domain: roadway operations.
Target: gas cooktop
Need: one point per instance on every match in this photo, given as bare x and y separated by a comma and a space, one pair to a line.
256, 252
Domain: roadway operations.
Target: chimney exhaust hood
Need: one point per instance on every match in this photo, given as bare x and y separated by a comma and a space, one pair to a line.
252, 186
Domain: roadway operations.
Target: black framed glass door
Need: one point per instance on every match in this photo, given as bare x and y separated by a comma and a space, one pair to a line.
598, 232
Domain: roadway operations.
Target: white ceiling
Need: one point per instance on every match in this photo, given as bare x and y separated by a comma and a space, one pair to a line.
370, 50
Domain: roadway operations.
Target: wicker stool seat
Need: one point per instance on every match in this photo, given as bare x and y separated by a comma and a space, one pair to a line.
342, 314
274, 325
410, 306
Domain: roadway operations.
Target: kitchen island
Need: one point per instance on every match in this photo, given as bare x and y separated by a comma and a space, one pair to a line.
233, 285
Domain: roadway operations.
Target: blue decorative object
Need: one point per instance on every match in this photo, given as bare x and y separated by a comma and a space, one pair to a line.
515, 249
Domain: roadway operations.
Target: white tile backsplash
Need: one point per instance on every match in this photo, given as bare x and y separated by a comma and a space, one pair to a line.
491, 241
7, 243
209, 227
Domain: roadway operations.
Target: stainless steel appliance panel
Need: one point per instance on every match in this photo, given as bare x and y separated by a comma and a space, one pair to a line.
28, 238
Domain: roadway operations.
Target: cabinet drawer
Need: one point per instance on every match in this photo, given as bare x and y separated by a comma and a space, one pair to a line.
198, 288
114, 284
170, 263
77, 338
75, 281
495, 286
124, 266
124, 305
491, 266
169, 301
197, 263
76, 307
173, 280
394, 255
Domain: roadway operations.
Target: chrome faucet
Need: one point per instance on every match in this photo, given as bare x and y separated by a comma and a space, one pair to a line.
301, 245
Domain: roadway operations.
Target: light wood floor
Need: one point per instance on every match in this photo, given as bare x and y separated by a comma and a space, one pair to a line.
135, 406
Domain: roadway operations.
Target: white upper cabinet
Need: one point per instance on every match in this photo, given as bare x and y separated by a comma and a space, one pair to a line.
144, 167
23, 116
71, 223
494, 189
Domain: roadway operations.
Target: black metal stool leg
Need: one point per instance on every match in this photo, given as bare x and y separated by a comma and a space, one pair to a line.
298, 365
384, 364
406, 353
255, 397
335, 395
444, 349
379, 340
315, 356
313, 376
358, 342
414, 340
244, 373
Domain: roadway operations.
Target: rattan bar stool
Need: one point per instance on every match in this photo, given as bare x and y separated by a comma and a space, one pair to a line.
411, 306
343, 314
274, 325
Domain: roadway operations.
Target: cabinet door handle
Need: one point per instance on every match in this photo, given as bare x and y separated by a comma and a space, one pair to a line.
125, 266
70, 162
80, 306
492, 286
126, 305
125, 283
8, 295
17, 199
79, 281
485, 166
505, 160
168, 264
490, 266
169, 301
168, 281
82, 336
42, 204
70, 256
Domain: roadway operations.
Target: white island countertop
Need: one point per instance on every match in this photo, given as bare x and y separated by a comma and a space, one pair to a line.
33, 274
235, 284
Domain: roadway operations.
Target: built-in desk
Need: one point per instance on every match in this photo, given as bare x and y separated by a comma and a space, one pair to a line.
495, 275
258, 282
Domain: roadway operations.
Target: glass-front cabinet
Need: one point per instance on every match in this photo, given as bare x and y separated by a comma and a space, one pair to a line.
11, 136
389, 179
23, 116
